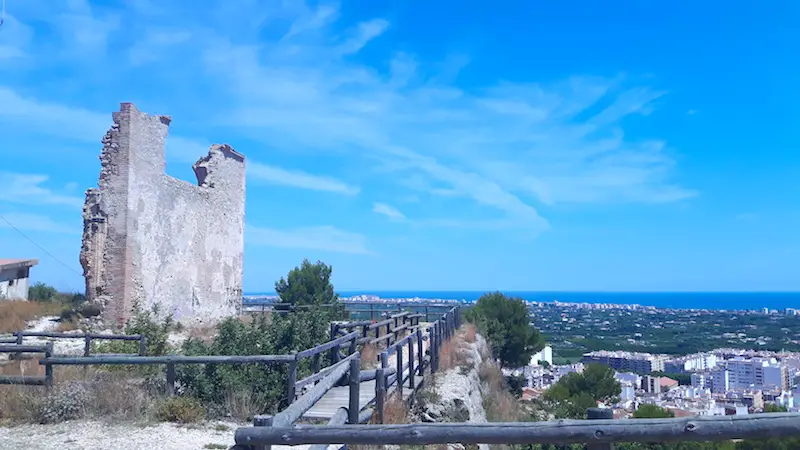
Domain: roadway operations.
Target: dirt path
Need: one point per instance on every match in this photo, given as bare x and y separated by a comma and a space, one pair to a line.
86, 435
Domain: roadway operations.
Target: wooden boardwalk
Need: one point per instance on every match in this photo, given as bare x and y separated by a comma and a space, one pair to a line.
338, 397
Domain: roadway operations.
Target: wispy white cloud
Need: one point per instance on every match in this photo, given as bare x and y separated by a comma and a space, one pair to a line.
29, 189
508, 147
296, 178
323, 238
28, 113
26, 222
388, 210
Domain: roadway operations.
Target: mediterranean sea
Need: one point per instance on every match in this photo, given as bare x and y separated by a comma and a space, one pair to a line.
677, 300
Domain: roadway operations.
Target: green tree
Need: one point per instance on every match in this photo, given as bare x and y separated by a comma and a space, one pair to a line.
773, 408
650, 411
575, 392
309, 284
505, 323
41, 292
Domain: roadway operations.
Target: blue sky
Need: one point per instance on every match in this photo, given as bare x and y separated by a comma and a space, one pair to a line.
432, 145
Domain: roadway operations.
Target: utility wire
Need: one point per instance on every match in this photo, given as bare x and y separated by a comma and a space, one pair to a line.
11, 225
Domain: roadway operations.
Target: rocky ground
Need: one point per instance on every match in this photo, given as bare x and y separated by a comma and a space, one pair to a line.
86, 435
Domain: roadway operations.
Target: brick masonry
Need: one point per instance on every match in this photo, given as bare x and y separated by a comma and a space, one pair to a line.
154, 239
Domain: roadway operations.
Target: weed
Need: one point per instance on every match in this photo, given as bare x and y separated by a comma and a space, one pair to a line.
470, 333
68, 402
181, 410
395, 411
15, 314
221, 427
212, 445
369, 357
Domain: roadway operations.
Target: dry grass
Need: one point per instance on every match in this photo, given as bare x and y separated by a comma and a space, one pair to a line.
369, 357
113, 395
499, 403
395, 411
203, 333
14, 314
452, 354
470, 333
67, 325
242, 405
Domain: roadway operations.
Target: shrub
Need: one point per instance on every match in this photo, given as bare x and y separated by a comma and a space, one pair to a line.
147, 323
67, 402
41, 292
261, 384
181, 410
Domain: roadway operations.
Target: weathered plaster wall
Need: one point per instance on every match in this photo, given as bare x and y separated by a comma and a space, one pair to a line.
14, 284
153, 239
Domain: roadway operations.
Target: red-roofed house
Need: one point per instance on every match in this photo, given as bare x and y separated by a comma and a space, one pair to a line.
667, 383
14, 276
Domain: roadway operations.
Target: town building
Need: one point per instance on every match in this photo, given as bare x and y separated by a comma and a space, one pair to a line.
697, 362
757, 372
15, 278
546, 355
626, 361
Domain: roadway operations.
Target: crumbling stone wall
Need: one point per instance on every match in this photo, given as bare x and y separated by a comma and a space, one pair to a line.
153, 239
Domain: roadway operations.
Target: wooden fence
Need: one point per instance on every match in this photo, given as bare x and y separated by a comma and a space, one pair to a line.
388, 380
598, 434
88, 338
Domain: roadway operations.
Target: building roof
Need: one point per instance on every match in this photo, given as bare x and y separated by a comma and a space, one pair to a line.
8, 264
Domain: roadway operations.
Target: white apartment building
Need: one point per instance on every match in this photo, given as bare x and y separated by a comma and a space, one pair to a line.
697, 362
626, 361
757, 372
720, 381
702, 380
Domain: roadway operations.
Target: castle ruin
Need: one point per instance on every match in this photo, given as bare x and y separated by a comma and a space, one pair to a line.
149, 238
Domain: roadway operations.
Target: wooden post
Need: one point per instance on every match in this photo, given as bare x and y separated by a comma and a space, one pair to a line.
19, 342
420, 353
354, 406
434, 347
599, 414
372, 312
426, 314
411, 364
365, 331
292, 379
389, 340
170, 379
380, 394
262, 421
142, 346
315, 364
48, 369
400, 371
334, 352
87, 344
353, 347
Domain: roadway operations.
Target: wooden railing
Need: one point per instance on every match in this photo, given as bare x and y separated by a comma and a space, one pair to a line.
388, 380
598, 434
88, 338
371, 310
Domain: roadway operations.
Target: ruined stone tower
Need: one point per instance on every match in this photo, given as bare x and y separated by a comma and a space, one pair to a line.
153, 239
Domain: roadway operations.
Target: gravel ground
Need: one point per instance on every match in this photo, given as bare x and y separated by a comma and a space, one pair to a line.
80, 435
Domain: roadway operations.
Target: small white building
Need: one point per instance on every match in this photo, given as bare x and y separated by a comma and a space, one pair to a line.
14, 278
546, 354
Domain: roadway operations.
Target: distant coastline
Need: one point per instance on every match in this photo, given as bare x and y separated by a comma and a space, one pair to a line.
671, 300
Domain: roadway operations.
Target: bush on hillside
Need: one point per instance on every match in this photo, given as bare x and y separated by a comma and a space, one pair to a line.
574, 393
148, 323
504, 322
264, 385
41, 292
